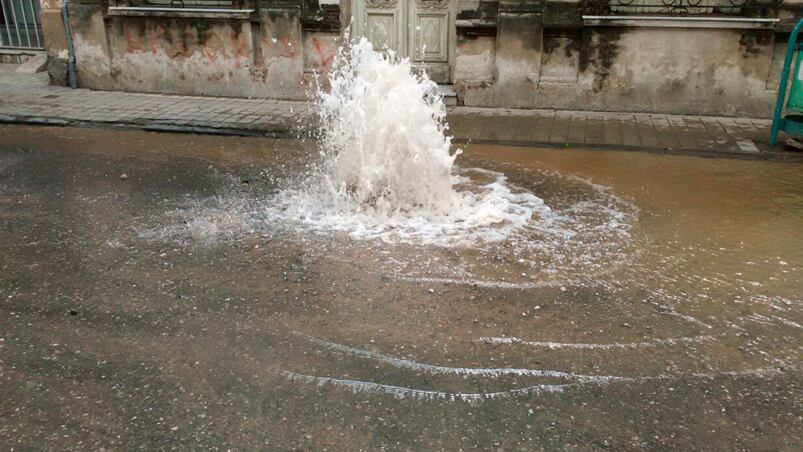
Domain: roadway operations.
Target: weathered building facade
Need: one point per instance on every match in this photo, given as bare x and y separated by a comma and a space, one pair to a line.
718, 57
268, 49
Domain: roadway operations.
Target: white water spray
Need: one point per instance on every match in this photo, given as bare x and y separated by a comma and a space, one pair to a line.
387, 170
383, 137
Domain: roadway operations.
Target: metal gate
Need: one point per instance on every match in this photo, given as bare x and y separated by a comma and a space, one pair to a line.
20, 27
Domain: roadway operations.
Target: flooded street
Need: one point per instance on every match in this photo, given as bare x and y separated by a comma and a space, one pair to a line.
156, 292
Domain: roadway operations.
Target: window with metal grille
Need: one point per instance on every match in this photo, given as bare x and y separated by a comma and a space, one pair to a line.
20, 27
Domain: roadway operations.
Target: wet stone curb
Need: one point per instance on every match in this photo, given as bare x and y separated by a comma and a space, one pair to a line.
774, 156
273, 131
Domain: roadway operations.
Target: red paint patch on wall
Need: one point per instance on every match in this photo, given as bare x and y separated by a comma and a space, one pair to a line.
324, 57
132, 44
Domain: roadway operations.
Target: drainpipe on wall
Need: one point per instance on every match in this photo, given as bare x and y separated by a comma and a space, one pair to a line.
65, 17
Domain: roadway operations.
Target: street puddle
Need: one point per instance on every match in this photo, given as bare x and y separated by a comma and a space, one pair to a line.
644, 270
633, 279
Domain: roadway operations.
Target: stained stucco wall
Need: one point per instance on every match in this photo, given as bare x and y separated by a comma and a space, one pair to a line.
271, 54
509, 53
562, 63
52, 27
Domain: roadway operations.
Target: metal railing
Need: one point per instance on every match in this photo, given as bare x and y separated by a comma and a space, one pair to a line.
211, 4
20, 27
679, 7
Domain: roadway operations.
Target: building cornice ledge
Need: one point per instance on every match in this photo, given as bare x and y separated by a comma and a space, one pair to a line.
680, 22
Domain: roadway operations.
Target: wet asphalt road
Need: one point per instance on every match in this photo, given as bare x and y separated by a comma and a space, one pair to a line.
137, 314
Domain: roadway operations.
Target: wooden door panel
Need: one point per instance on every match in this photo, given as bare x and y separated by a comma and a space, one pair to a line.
422, 30
431, 40
382, 30
383, 24
429, 36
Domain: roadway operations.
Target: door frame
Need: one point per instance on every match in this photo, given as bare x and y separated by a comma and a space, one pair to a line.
358, 8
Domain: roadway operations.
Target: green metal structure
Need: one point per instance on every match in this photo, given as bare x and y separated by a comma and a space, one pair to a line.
792, 123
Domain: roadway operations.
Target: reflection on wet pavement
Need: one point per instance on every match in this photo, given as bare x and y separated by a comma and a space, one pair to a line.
656, 305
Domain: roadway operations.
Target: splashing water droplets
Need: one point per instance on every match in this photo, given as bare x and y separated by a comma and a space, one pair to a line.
386, 168
383, 137
386, 172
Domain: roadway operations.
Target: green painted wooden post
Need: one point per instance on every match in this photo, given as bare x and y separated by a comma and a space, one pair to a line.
777, 121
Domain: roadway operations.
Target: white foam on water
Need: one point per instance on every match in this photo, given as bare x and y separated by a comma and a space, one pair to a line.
400, 392
386, 168
771, 320
488, 284
593, 346
447, 370
402, 363
788, 322
688, 318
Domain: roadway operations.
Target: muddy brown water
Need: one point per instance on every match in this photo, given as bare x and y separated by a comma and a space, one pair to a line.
149, 301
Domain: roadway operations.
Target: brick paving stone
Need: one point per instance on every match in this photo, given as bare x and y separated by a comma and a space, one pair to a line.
681, 131
611, 132
744, 134
543, 125
762, 126
664, 133
560, 130
748, 128
630, 133
647, 132
698, 131
492, 127
716, 131
577, 129
475, 127
522, 127
464, 126
595, 133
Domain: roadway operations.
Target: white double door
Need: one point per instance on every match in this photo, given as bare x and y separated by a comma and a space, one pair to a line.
422, 30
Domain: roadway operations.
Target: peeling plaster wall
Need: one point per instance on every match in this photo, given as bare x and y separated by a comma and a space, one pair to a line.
207, 57
270, 55
52, 27
560, 60
699, 71
282, 53
475, 59
547, 58
694, 71
517, 56
93, 56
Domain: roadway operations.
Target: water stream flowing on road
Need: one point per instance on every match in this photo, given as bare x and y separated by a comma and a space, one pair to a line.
643, 293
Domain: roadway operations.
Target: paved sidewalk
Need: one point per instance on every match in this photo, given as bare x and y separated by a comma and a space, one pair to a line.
26, 98
29, 98
736, 137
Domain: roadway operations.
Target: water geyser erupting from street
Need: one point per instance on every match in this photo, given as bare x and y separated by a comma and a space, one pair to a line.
383, 137
387, 169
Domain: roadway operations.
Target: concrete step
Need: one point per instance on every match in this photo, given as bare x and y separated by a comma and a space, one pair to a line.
449, 94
